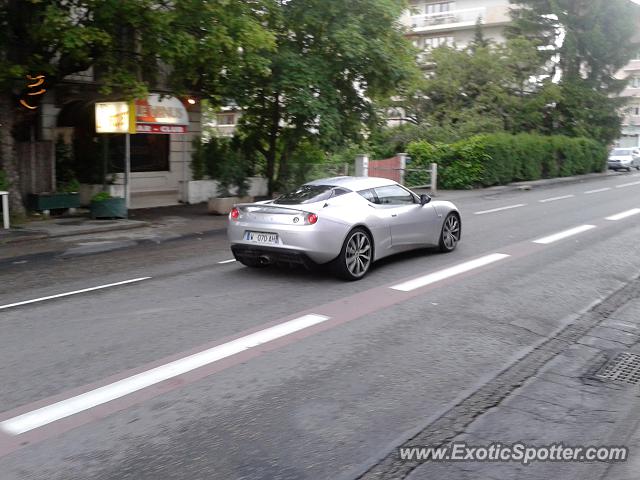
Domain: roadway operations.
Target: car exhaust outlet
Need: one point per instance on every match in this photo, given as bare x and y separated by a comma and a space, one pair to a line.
264, 260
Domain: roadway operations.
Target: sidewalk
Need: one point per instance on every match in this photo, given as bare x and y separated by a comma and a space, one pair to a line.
150, 224
528, 185
571, 400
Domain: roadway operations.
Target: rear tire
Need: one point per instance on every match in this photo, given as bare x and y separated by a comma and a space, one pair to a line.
450, 234
356, 255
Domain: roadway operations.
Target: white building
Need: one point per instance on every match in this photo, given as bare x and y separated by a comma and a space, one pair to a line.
631, 121
435, 23
431, 24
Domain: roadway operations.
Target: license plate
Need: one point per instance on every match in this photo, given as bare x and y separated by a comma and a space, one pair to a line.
262, 237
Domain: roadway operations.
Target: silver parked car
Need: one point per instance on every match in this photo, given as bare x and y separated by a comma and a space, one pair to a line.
348, 221
624, 159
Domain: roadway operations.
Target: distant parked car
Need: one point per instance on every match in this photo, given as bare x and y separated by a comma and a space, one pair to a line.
624, 159
348, 221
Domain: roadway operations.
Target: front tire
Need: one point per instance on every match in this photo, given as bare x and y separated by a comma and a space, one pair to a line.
450, 234
356, 255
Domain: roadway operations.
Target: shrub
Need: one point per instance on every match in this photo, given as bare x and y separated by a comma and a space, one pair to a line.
70, 186
198, 164
224, 160
100, 197
4, 181
500, 158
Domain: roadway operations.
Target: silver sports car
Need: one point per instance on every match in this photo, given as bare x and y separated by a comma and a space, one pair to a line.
348, 221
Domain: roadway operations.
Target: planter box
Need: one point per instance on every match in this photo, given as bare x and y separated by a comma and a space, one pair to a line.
109, 208
52, 201
88, 190
223, 205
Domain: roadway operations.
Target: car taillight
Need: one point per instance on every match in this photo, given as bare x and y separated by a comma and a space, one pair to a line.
312, 218
235, 213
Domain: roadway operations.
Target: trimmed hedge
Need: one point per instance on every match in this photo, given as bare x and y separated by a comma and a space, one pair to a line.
497, 159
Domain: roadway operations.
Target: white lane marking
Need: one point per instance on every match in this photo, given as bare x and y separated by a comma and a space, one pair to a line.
448, 272
553, 199
627, 184
598, 190
509, 207
228, 261
71, 406
564, 234
99, 287
621, 215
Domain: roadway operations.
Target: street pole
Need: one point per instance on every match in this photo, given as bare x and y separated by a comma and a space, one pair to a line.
127, 169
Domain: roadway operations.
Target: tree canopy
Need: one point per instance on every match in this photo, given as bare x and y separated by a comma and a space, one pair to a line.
587, 42
130, 45
332, 60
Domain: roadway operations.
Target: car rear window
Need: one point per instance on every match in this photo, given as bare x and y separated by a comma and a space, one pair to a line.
306, 194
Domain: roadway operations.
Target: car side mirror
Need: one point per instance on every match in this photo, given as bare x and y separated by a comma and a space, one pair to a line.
424, 199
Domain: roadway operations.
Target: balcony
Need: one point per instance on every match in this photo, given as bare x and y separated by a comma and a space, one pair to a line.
454, 19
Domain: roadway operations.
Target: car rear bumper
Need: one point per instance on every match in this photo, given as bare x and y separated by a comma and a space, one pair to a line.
320, 243
618, 165
271, 255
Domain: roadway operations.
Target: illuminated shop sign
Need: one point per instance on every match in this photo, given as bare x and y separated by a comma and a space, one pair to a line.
153, 114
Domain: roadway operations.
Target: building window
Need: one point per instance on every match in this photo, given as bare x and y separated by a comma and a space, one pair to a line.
149, 153
434, 42
440, 7
430, 8
225, 119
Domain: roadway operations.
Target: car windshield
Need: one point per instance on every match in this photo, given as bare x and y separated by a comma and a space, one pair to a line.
306, 194
621, 151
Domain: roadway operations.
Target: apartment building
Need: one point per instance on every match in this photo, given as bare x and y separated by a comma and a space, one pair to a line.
434, 23
631, 121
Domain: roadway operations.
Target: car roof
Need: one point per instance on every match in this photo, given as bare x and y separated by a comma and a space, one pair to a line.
354, 183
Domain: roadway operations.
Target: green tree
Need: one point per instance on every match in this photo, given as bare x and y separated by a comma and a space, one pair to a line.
586, 42
332, 60
483, 88
132, 45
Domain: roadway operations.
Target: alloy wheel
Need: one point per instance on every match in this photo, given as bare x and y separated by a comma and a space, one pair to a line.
358, 254
451, 232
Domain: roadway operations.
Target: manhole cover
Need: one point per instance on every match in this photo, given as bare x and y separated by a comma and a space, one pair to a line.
623, 368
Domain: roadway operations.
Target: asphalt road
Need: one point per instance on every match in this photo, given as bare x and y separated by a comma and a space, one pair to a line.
346, 374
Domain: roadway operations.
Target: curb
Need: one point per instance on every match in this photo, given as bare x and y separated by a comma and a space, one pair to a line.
528, 185
25, 236
138, 243
104, 229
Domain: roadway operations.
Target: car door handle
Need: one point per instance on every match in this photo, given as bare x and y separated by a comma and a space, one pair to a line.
394, 214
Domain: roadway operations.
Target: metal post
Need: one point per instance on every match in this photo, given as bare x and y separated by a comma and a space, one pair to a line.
403, 166
362, 166
127, 170
5, 209
434, 178
32, 159
105, 161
